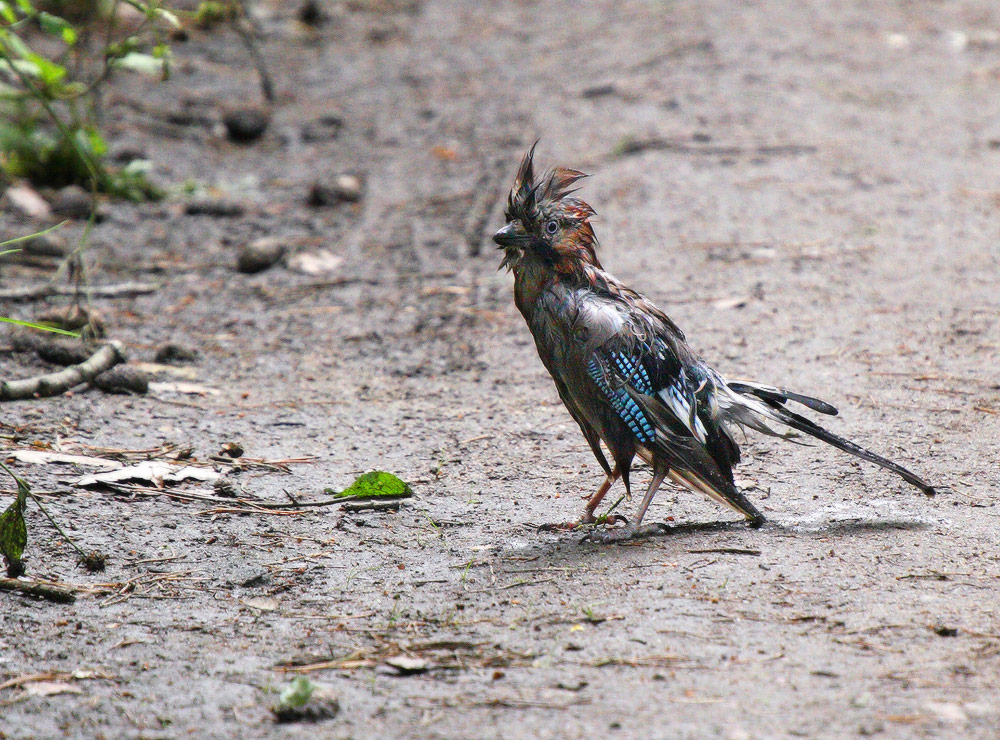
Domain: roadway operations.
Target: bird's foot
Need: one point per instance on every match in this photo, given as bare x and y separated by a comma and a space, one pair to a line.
584, 521
624, 534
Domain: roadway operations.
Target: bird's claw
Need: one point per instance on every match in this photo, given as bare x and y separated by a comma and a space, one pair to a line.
624, 534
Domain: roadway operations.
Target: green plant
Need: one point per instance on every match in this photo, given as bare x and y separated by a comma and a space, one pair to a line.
49, 97
31, 324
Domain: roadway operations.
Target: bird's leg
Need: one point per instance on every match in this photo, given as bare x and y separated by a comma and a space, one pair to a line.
632, 530
592, 503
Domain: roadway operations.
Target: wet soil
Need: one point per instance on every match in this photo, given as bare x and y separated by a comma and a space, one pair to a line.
809, 189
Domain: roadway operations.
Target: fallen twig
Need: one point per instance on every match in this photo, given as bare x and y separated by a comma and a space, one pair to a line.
53, 384
246, 35
637, 146
51, 593
727, 550
97, 291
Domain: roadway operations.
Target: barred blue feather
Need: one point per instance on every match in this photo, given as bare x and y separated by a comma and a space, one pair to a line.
620, 399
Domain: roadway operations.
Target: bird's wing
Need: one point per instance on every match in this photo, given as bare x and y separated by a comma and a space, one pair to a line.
666, 397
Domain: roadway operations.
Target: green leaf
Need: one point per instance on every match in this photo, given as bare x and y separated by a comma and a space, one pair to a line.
7, 12
26, 237
50, 72
40, 327
297, 694
13, 532
377, 484
143, 63
26, 6
57, 27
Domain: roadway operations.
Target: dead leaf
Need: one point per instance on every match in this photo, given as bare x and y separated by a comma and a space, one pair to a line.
724, 304
320, 262
406, 666
262, 603
190, 388
155, 368
51, 688
156, 472
28, 202
41, 457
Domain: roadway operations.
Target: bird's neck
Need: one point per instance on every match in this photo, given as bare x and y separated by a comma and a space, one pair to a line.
531, 278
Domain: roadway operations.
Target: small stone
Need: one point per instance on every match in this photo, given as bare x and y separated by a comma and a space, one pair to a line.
26, 201
320, 262
311, 13
947, 711
944, 631
325, 128
171, 352
346, 188
231, 449
213, 207
63, 353
245, 124
72, 201
123, 379
45, 245
226, 489
260, 255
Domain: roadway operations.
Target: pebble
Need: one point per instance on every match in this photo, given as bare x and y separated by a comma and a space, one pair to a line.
26, 201
260, 255
72, 201
245, 124
346, 188
45, 245
325, 128
123, 379
171, 352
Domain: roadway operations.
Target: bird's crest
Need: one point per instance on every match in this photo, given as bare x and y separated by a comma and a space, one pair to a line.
533, 201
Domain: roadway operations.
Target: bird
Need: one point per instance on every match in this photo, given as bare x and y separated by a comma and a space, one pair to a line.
624, 370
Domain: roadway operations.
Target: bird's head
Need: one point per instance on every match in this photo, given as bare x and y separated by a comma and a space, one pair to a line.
545, 223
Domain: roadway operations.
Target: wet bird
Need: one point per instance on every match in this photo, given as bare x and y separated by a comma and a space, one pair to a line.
624, 370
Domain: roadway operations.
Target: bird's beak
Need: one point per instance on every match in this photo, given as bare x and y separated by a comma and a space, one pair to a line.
509, 236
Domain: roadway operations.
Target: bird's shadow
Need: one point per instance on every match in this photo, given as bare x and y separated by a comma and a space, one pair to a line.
542, 546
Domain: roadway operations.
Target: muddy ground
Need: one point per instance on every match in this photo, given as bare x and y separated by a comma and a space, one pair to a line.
814, 198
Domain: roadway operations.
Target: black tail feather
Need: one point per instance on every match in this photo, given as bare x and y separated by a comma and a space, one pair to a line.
802, 424
778, 396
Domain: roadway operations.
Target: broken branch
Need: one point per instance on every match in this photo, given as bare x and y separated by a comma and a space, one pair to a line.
53, 384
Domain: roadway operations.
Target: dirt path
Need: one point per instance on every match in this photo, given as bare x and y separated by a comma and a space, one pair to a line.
810, 190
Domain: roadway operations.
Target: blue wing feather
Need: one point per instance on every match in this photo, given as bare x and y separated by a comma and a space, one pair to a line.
623, 403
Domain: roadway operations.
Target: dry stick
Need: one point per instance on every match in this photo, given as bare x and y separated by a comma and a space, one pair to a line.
51, 593
97, 291
53, 384
246, 36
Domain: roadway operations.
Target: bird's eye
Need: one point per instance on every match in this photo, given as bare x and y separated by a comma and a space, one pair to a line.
551, 227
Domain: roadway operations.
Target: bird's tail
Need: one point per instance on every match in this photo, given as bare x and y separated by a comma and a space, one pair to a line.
769, 402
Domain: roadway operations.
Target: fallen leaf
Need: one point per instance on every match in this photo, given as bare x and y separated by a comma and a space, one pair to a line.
445, 153
155, 368
407, 666
51, 688
40, 457
728, 303
319, 262
155, 472
28, 202
190, 388
262, 603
